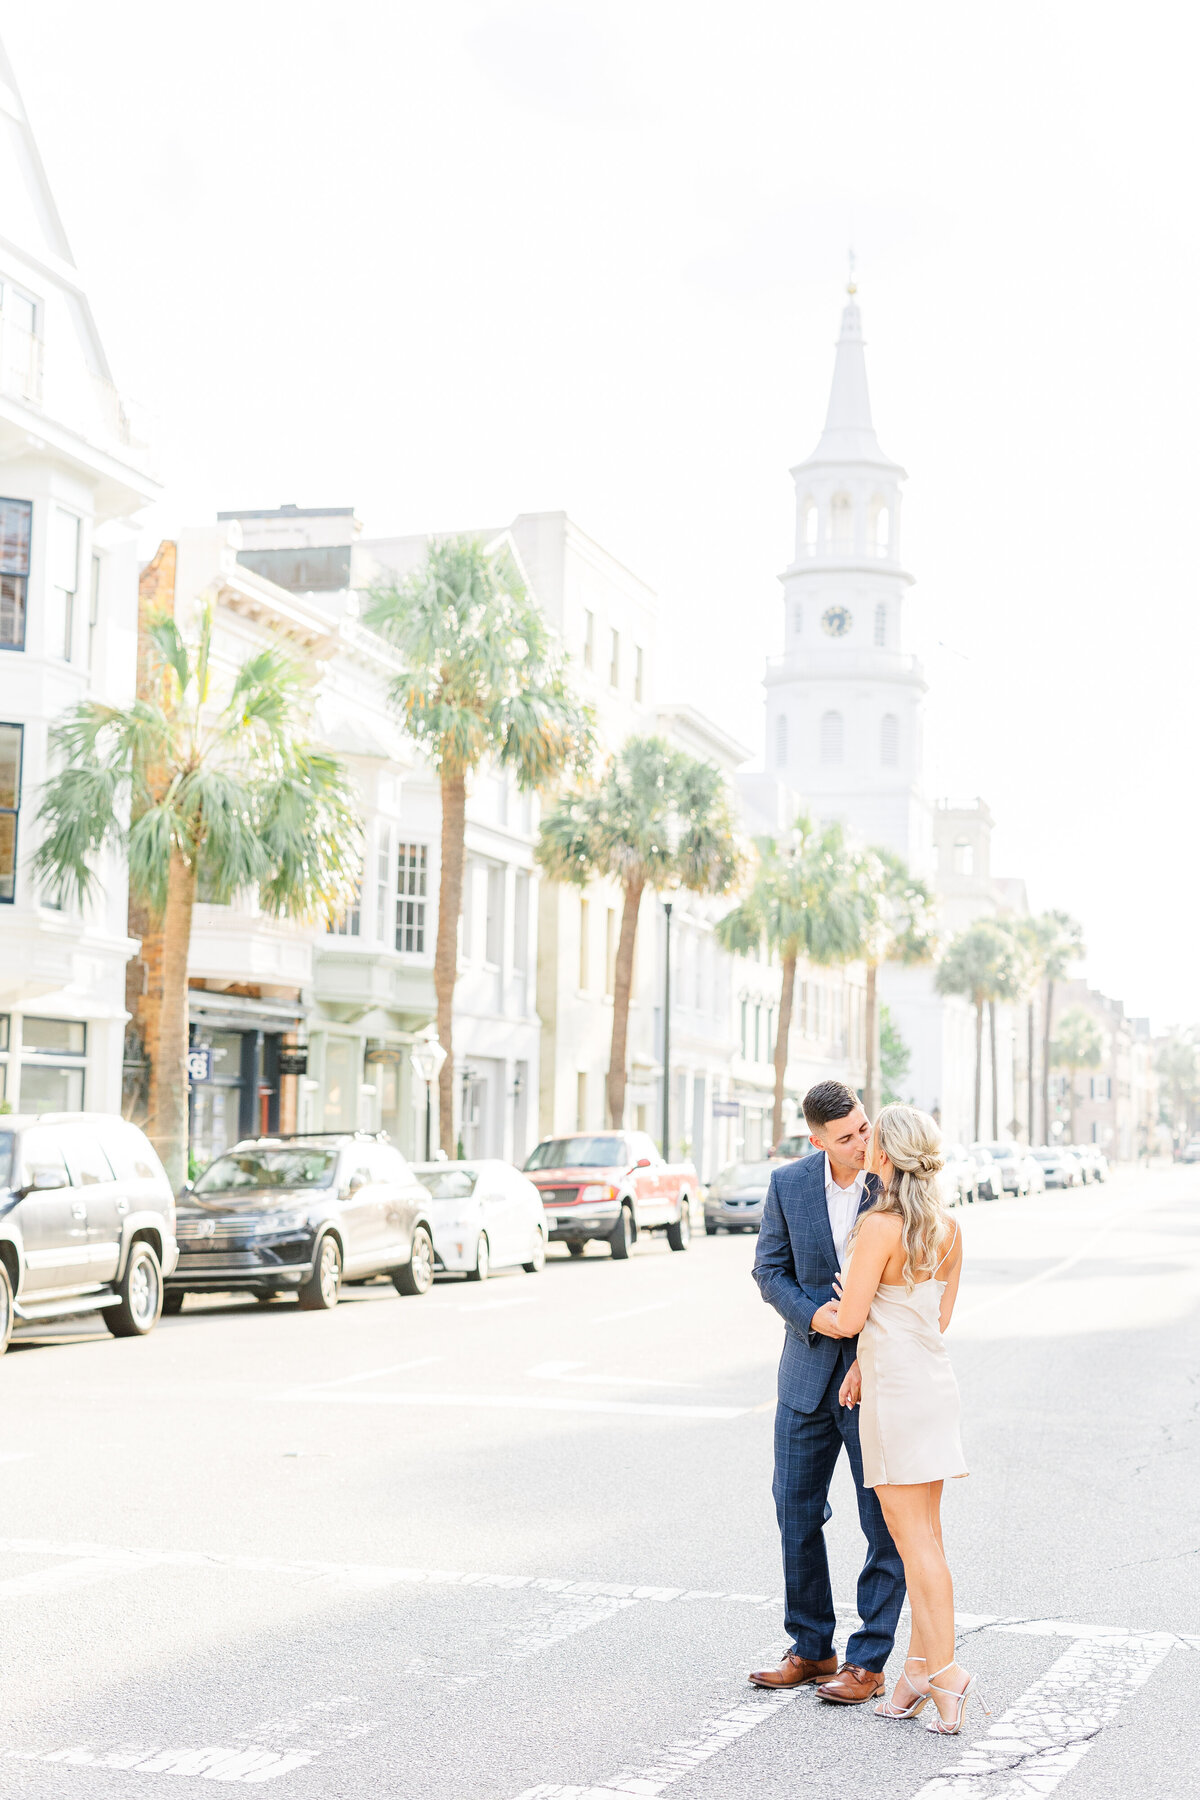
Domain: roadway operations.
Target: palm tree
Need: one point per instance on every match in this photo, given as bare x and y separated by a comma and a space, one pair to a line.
979, 965
483, 681
1056, 942
1177, 1066
1079, 1044
197, 788
656, 819
806, 900
900, 928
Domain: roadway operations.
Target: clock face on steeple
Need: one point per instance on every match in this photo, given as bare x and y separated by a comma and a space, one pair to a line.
836, 621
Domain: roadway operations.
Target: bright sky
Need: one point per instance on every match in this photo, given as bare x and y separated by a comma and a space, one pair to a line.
447, 262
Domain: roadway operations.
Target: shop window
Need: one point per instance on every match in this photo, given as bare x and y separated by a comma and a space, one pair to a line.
383, 882
341, 1084
11, 742
493, 948
16, 524
412, 881
350, 922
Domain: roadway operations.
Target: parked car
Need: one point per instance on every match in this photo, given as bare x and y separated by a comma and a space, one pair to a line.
1191, 1151
1009, 1171
1060, 1168
612, 1185
989, 1176
793, 1148
960, 1176
87, 1222
735, 1200
279, 1215
486, 1215
1093, 1161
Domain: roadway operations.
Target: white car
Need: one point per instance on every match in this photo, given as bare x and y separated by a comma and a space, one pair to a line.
486, 1215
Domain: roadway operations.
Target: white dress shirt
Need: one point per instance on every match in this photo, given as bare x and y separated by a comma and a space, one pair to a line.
842, 1204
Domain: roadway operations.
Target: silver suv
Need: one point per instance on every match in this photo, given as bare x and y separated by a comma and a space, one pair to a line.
87, 1222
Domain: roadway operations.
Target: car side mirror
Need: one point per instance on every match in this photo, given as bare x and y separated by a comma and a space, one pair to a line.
356, 1181
643, 1162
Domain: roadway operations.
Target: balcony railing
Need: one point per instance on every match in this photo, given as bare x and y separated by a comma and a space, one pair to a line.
873, 551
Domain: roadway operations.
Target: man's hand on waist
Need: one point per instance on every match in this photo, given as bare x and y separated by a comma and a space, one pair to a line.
824, 1320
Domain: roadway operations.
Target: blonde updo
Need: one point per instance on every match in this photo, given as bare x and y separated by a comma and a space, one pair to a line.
912, 1144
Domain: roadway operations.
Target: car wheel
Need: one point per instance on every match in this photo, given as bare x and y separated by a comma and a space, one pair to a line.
710, 1230
576, 1249
6, 1309
537, 1261
416, 1276
483, 1261
679, 1235
322, 1290
622, 1236
172, 1303
141, 1291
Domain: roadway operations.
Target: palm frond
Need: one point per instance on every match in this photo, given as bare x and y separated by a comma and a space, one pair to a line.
169, 649
311, 834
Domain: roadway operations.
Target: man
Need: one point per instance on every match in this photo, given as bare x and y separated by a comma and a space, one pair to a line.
811, 1207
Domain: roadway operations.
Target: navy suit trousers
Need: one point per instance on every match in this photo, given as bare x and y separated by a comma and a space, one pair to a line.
806, 1449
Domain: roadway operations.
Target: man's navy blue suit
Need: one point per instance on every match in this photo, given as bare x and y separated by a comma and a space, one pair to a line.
794, 1269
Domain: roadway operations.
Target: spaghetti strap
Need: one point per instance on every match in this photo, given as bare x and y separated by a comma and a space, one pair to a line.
953, 1241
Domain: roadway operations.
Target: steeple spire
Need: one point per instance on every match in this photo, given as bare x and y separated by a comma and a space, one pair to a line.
849, 435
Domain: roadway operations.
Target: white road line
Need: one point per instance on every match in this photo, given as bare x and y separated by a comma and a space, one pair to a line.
1108, 1225
680, 1757
645, 1409
478, 1306
83, 1571
16, 1455
1045, 1733
416, 1362
635, 1312
557, 1371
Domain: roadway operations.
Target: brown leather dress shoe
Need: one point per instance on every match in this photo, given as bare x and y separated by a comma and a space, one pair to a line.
852, 1685
795, 1671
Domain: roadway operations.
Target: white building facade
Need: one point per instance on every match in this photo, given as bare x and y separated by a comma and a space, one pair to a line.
72, 480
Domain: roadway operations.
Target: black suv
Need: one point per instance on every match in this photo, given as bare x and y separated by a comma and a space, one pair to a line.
278, 1215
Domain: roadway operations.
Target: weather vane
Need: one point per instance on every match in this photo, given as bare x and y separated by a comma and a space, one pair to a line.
852, 285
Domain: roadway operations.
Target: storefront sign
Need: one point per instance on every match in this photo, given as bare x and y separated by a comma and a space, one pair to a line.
199, 1065
726, 1109
293, 1062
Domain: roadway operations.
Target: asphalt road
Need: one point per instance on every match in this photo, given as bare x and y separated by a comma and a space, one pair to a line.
516, 1539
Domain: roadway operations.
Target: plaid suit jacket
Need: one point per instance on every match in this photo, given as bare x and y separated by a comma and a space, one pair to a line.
794, 1268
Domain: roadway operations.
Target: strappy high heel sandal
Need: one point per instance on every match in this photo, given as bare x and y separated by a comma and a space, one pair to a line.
887, 1709
937, 1723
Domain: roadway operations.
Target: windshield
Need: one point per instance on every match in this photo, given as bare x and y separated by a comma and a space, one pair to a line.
245, 1170
6, 1158
580, 1153
1047, 1155
448, 1184
746, 1175
1001, 1150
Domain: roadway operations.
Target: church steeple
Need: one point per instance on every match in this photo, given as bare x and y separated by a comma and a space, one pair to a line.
849, 434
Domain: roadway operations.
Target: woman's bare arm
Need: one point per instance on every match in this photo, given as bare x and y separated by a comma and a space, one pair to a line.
876, 1240
951, 1271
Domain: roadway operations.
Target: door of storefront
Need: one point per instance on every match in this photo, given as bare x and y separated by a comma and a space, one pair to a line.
241, 1099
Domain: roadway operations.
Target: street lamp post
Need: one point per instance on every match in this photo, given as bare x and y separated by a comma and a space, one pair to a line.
666, 1101
427, 1057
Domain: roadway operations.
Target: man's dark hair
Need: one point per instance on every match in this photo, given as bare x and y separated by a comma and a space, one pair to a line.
827, 1101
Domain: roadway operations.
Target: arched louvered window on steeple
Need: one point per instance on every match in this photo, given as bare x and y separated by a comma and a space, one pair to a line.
879, 527
810, 520
881, 623
889, 740
832, 737
841, 523
781, 741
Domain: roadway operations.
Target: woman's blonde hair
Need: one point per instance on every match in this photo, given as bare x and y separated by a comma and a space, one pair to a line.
912, 1144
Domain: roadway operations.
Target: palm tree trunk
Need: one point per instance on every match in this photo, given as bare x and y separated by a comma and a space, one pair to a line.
445, 959
978, 1065
167, 1124
871, 1088
622, 991
1047, 1027
783, 1032
1029, 1070
995, 1070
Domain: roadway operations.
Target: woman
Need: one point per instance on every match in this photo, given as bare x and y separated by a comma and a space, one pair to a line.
897, 1295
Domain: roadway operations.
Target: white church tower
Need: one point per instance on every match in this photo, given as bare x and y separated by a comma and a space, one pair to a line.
845, 700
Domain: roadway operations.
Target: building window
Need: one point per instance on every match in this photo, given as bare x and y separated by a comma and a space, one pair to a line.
758, 1023
583, 944
610, 952
521, 923
412, 882
745, 1029
964, 857
93, 610
589, 638
20, 346
639, 666
781, 743
889, 740
581, 1101
52, 1065
881, 625
832, 737
11, 744
880, 529
64, 573
769, 1049
16, 525
841, 523
810, 524
350, 922
614, 660
493, 934
383, 882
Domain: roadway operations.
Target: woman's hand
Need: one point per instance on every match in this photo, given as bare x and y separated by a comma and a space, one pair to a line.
850, 1392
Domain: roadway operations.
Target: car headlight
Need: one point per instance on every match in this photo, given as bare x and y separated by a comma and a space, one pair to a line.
598, 1191
278, 1223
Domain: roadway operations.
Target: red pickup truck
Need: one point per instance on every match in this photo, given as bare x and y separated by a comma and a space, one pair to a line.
612, 1185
